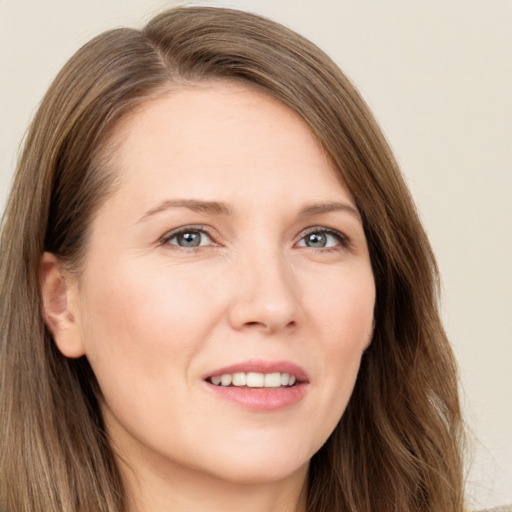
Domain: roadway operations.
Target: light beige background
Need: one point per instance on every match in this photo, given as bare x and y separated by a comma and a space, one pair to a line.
438, 75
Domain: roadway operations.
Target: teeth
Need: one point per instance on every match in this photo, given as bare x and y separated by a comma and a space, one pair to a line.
216, 380
239, 379
254, 380
226, 379
272, 380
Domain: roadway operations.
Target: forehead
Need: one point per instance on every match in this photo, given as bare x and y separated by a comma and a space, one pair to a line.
221, 135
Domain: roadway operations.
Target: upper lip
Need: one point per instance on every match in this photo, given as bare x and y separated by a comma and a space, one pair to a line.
261, 366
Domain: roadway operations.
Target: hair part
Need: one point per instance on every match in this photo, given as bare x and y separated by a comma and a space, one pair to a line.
397, 446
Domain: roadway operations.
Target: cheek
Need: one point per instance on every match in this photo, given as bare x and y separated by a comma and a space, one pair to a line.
342, 324
143, 330
142, 326
152, 303
342, 308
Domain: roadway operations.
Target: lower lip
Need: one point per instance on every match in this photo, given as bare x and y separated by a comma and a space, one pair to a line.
261, 399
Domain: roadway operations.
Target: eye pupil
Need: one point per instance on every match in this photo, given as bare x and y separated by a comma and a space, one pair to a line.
189, 239
316, 240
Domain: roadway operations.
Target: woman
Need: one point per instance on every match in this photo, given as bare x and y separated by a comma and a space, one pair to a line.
216, 292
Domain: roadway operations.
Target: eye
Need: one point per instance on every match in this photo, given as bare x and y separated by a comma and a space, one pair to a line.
322, 239
188, 238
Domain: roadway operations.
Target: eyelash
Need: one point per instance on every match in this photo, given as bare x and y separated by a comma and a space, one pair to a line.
183, 231
343, 241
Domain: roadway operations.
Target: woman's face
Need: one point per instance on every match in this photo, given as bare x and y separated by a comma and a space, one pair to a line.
229, 247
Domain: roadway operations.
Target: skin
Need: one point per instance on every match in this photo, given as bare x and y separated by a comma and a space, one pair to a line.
154, 318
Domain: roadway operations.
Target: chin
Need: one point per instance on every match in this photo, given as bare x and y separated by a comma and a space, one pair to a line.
258, 466
261, 474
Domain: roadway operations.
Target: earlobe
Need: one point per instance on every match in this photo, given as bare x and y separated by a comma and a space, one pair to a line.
57, 293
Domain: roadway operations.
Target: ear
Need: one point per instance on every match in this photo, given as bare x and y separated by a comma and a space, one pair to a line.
58, 294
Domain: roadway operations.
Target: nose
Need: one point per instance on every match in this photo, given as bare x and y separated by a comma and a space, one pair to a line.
265, 295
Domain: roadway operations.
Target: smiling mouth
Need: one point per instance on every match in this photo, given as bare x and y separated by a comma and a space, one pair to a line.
254, 380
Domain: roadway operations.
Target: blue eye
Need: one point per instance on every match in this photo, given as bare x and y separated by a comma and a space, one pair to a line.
322, 239
188, 238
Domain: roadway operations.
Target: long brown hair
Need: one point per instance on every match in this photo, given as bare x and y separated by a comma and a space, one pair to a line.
397, 446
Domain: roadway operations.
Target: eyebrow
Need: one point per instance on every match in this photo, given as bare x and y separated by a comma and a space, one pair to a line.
195, 205
318, 209
218, 208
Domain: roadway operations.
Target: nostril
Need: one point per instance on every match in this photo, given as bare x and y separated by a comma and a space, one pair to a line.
262, 325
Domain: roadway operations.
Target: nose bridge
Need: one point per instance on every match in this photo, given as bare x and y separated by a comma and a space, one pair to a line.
267, 294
